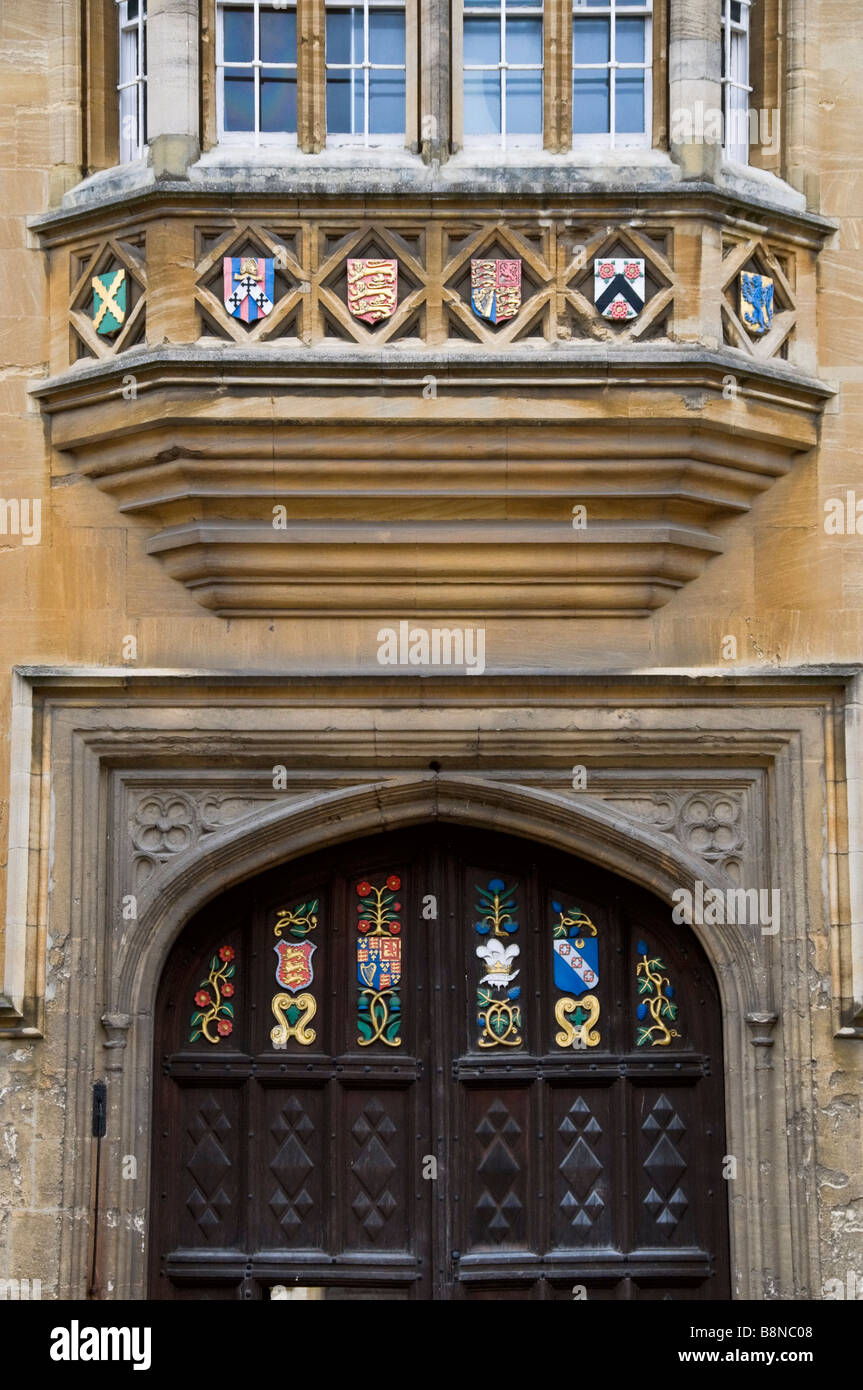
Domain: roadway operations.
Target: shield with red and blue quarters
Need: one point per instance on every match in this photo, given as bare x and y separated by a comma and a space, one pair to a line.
379, 961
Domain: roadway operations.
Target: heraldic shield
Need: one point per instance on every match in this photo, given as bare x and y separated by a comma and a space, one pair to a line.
294, 969
619, 287
756, 301
109, 301
576, 970
373, 289
495, 289
379, 962
249, 287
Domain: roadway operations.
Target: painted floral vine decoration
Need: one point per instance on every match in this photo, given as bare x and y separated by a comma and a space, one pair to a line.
212, 1000
657, 1004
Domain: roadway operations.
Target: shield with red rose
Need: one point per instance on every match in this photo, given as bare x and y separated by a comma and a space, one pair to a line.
619, 287
294, 969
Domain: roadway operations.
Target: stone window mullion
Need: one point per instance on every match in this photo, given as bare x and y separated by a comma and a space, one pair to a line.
311, 76
557, 76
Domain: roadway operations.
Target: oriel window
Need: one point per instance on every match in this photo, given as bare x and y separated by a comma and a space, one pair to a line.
257, 72
502, 59
132, 84
365, 73
611, 73
735, 79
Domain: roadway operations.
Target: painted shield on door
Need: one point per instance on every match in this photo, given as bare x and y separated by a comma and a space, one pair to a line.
576, 969
379, 961
294, 969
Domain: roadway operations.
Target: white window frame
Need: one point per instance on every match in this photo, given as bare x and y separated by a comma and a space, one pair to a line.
257, 136
133, 82
735, 92
612, 139
392, 139
506, 139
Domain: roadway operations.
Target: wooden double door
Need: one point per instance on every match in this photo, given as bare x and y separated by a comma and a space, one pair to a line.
438, 1064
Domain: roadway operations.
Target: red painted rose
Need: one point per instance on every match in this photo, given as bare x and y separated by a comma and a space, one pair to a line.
224, 1029
364, 888
227, 952
227, 989
395, 928
364, 926
202, 999
394, 882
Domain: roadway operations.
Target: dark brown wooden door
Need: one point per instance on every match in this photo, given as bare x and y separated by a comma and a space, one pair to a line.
483, 1070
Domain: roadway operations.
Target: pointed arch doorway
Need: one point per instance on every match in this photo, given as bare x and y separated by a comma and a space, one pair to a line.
441, 1063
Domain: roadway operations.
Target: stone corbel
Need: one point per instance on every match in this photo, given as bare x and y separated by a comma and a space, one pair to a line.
116, 1027
761, 1027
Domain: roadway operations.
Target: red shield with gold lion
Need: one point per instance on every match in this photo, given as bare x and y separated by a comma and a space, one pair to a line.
294, 970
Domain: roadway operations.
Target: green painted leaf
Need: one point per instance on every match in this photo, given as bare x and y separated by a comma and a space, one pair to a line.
193, 1037
365, 1029
643, 1037
196, 1018
228, 1009
392, 1028
644, 986
229, 972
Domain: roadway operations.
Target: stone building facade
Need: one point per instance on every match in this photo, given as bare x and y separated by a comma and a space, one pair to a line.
226, 540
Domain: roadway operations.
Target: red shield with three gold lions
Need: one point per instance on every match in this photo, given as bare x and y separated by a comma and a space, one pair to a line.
294, 970
373, 289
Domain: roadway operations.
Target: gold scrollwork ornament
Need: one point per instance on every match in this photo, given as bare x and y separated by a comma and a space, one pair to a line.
299, 1029
583, 1034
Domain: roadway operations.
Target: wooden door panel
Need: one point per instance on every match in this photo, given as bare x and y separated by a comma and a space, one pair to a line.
290, 1173
575, 1114
210, 1124
668, 1146
585, 1180
500, 1128
378, 1126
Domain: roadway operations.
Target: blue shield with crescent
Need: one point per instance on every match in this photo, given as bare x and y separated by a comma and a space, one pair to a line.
576, 967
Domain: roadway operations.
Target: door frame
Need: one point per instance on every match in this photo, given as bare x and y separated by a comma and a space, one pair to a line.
96, 742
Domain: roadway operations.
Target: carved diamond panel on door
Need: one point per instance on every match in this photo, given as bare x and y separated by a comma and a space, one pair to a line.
378, 1146
295, 1174
499, 1199
209, 1165
583, 1212
663, 1122
518, 1093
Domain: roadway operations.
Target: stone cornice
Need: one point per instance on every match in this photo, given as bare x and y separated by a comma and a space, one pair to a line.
555, 366
378, 193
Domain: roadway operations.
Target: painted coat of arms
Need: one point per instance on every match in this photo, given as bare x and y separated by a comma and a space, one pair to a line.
495, 289
619, 287
756, 301
249, 287
576, 970
109, 301
576, 973
379, 962
373, 289
294, 969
